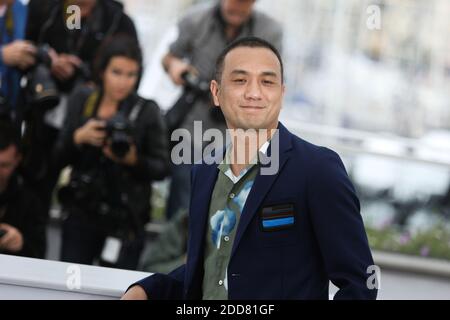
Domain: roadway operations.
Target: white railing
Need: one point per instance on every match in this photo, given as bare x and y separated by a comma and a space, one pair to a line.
26, 278
356, 142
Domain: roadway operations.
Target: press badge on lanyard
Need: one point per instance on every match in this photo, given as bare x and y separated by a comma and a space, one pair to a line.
111, 250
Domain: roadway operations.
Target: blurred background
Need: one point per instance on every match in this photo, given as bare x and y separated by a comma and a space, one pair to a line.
371, 80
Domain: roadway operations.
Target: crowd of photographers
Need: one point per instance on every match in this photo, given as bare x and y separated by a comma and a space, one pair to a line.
68, 98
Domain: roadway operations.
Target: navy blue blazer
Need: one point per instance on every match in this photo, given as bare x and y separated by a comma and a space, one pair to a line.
325, 240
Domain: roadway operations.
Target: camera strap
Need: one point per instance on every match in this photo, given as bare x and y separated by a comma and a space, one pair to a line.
92, 101
7, 25
136, 110
91, 104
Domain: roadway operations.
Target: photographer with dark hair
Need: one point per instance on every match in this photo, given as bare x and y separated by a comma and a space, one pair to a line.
116, 143
22, 221
65, 58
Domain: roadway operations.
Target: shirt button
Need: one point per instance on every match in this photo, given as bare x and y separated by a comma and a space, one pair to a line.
226, 238
220, 282
231, 195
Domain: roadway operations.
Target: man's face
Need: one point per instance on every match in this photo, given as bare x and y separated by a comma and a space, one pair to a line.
236, 12
251, 90
86, 6
9, 160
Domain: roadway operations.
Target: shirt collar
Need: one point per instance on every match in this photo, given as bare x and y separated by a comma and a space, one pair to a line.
225, 167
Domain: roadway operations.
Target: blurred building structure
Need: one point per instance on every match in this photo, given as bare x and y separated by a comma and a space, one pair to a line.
376, 65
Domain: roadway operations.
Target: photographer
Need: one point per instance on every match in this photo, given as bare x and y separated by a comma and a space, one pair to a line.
16, 55
202, 34
22, 220
71, 50
48, 23
116, 143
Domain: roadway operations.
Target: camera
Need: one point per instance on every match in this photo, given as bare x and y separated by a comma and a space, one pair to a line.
194, 83
194, 88
87, 190
200, 87
90, 192
42, 89
78, 190
118, 130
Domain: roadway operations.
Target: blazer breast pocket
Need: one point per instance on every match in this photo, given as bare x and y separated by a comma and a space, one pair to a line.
277, 217
278, 225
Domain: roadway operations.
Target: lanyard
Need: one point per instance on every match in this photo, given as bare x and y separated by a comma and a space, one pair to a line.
7, 25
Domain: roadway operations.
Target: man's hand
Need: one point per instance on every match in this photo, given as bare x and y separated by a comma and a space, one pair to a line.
175, 67
19, 54
135, 293
64, 65
93, 133
12, 240
130, 159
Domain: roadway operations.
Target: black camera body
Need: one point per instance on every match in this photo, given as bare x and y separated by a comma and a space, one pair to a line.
194, 83
42, 89
118, 130
77, 191
194, 88
198, 87
90, 193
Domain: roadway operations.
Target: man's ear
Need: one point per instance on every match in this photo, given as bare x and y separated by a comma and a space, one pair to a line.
214, 87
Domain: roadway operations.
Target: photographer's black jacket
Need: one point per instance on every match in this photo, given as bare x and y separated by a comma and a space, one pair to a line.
21, 208
47, 25
149, 135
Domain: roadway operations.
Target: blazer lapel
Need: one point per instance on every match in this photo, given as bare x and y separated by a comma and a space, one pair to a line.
261, 186
200, 200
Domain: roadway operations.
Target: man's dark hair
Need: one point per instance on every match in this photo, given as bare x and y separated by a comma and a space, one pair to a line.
8, 135
250, 42
120, 45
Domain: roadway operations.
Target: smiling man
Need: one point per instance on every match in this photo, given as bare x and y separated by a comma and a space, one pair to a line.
257, 236
203, 33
